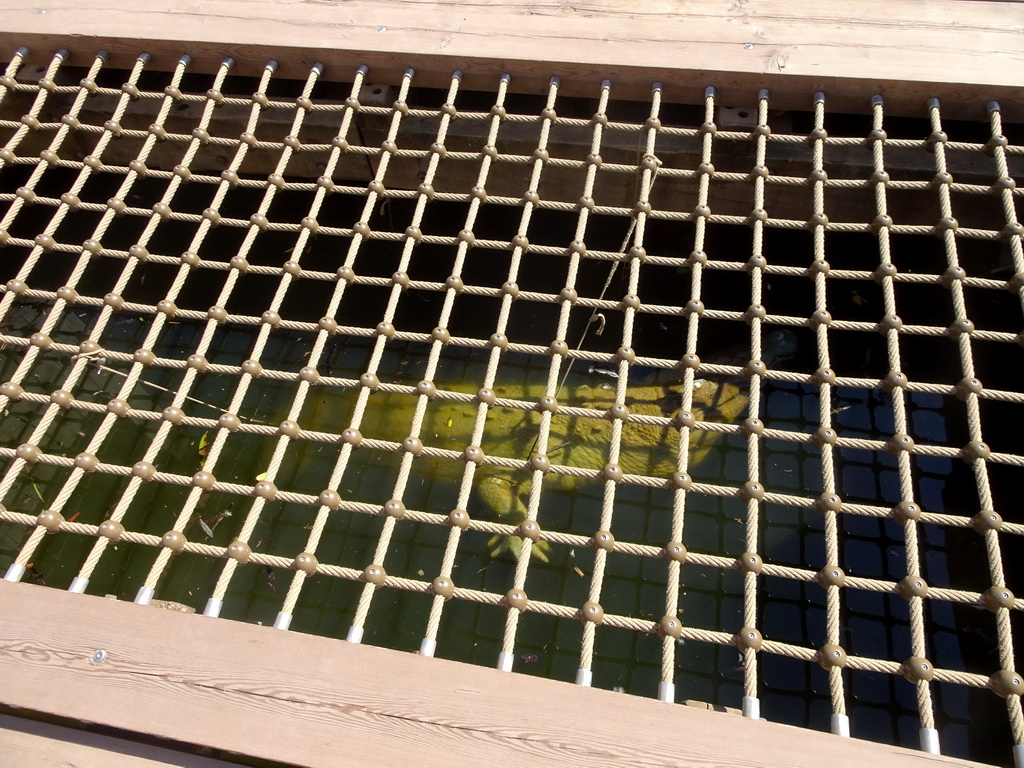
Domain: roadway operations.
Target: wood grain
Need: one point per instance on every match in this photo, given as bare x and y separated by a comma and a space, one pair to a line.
29, 744
313, 701
965, 53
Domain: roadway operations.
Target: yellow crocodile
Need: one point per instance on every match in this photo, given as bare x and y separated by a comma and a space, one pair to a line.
576, 441
573, 440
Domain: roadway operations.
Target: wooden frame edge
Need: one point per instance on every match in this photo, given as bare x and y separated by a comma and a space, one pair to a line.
965, 53
312, 701
25, 742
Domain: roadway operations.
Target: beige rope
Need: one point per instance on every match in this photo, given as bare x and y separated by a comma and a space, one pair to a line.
1005, 185
832, 552
60, 303
363, 607
674, 581
750, 579
899, 411
637, 229
134, 375
498, 113
533, 504
252, 518
323, 334
1003, 630
79, 358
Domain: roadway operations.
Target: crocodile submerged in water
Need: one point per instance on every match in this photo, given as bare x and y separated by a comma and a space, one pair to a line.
573, 440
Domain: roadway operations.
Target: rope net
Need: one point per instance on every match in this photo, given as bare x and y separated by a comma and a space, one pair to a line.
379, 262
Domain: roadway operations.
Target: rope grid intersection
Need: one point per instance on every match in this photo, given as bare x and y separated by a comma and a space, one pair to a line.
357, 239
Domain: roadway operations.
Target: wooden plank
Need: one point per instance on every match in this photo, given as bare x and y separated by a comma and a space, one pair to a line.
309, 700
963, 52
31, 743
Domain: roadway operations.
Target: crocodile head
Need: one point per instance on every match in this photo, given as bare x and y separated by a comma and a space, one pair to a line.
646, 446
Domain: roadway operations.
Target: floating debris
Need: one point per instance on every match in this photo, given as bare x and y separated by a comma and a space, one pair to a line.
595, 370
209, 524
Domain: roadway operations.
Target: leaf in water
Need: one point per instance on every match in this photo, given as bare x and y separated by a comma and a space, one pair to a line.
206, 528
261, 477
38, 492
202, 443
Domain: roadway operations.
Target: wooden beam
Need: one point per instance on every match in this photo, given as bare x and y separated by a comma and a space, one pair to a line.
965, 53
37, 744
314, 701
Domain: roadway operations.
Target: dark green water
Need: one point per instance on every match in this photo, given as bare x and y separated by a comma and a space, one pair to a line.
874, 624
882, 707
470, 632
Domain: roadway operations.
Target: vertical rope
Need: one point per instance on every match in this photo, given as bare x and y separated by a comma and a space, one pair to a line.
53, 412
754, 315
612, 471
828, 504
539, 461
119, 405
440, 338
976, 451
444, 578
252, 368
1004, 186
675, 550
326, 328
68, 292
